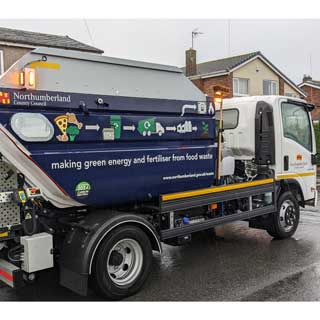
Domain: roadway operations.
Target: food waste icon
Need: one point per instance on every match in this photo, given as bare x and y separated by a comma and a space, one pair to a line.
69, 126
115, 123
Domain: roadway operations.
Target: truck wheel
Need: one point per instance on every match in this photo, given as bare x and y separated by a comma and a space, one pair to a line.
285, 221
122, 263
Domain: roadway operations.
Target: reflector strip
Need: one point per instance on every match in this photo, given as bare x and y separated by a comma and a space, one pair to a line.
6, 275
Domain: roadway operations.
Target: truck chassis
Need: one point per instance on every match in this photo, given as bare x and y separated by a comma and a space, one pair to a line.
163, 223
191, 199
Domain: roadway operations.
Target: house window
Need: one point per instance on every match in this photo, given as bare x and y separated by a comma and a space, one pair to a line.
269, 87
240, 87
1, 62
289, 94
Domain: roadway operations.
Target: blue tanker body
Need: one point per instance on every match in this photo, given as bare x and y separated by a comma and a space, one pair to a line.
135, 165
99, 148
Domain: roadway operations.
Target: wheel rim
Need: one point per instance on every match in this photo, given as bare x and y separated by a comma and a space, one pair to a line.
287, 215
124, 262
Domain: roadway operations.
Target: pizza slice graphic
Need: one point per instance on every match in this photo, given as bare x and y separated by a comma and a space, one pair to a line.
69, 126
62, 123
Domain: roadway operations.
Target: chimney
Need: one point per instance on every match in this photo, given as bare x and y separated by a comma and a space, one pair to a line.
306, 78
191, 62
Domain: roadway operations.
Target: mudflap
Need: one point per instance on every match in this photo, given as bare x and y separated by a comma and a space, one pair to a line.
74, 281
83, 240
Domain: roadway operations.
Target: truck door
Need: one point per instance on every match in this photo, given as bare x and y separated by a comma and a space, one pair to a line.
297, 146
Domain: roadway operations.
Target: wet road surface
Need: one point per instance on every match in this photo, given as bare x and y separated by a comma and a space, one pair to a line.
241, 264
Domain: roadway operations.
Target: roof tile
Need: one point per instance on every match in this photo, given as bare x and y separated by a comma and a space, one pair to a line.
223, 65
44, 40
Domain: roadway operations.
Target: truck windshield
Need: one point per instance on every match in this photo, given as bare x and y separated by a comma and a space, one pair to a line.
296, 124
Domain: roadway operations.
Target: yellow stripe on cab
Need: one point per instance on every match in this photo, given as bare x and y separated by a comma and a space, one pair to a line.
295, 175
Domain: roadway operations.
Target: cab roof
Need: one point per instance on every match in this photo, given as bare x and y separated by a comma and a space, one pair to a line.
252, 101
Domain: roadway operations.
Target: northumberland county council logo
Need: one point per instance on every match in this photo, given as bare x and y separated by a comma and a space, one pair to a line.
82, 189
4, 97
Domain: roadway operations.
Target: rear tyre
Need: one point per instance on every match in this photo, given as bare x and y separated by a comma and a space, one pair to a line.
285, 221
122, 263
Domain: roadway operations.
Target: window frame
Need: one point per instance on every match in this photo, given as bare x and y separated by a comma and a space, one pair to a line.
275, 83
238, 94
290, 95
1, 62
270, 82
309, 121
224, 110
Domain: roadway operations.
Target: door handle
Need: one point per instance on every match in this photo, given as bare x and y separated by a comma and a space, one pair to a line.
286, 163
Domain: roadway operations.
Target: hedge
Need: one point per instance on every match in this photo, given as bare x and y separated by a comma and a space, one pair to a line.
317, 134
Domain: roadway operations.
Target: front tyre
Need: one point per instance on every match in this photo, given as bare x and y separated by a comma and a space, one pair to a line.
122, 263
285, 221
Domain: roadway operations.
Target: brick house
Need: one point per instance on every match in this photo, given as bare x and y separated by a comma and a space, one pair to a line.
244, 75
16, 43
312, 89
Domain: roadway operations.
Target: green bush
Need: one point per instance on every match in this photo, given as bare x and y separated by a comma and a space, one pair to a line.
317, 134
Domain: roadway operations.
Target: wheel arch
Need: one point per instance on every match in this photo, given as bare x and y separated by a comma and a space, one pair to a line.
294, 187
83, 241
155, 241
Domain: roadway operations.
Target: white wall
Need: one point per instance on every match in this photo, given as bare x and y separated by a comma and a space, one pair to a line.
290, 90
256, 71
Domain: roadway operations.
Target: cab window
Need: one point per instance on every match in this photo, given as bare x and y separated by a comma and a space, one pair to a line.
230, 118
296, 124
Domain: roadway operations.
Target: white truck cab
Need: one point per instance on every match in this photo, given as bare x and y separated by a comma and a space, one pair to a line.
276, 131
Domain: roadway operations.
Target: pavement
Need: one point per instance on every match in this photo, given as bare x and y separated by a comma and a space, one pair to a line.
241, 264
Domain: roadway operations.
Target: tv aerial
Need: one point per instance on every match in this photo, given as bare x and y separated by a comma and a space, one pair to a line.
195, 33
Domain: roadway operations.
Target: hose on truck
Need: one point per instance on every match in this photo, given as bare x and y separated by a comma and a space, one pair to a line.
15, 253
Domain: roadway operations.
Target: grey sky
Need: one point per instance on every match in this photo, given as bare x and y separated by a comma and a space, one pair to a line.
289, 44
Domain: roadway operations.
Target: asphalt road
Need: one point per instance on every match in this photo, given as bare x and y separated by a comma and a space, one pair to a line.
242, 264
